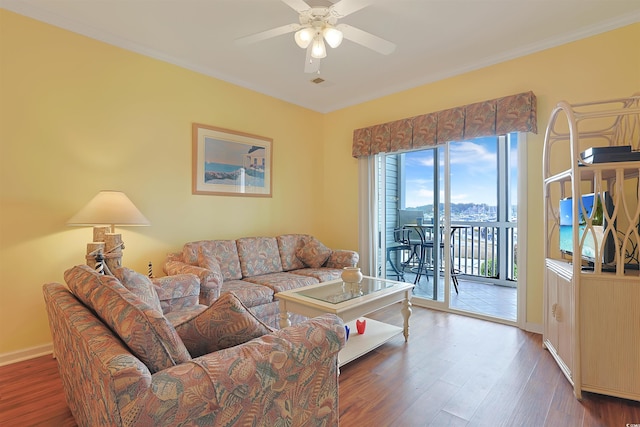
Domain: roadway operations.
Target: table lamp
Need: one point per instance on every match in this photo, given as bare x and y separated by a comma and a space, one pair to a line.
106, 210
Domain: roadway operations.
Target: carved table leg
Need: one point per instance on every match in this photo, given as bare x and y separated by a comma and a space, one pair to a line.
284, 316
406, 313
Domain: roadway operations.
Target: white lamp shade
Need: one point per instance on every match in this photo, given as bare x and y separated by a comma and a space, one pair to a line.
304, 37
318, 49
333, 36
109, 208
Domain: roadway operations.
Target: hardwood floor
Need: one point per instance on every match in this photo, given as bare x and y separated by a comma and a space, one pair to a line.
31, 395
461, 371
455, 371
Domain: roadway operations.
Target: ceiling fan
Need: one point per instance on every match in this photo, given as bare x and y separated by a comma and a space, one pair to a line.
318, 24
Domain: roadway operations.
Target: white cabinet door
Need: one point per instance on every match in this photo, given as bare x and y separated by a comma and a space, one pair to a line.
558, 320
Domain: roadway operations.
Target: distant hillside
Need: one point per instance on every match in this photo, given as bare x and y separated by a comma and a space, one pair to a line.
460, 208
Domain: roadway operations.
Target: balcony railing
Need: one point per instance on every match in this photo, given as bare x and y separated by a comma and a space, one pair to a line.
477, 251
486, 251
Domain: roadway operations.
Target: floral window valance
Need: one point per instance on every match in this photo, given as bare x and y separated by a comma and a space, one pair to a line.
515, 113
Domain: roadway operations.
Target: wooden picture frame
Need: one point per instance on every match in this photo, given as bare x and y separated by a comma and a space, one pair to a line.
230, 163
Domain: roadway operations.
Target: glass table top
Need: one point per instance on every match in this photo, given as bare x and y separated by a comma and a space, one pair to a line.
339, 291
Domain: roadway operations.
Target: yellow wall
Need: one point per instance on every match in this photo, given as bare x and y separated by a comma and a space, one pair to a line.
78, 116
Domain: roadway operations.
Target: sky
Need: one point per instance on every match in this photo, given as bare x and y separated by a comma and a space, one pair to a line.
227, 152
473, 173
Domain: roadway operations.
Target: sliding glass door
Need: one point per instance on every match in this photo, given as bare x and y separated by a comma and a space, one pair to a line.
458, 204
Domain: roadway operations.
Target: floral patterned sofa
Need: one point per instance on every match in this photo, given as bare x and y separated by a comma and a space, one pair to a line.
256, 268
132, 352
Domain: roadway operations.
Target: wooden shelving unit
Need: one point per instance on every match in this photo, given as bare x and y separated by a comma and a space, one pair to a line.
592, 317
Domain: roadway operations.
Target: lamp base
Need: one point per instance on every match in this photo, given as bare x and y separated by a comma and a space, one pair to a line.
105, 252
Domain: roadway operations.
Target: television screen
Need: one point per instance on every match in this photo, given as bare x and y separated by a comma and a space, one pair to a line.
590, 244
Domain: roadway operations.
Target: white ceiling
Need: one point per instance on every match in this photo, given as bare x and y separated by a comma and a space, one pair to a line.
435, 39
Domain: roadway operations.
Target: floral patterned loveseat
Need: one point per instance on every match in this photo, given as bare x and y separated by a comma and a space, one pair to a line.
136, 353
256, 268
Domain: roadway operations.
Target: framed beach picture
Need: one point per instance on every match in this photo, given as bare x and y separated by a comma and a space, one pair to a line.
230, 163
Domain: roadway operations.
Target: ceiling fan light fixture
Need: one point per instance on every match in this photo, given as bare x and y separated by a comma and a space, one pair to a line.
318, 49
333, 36
304, 37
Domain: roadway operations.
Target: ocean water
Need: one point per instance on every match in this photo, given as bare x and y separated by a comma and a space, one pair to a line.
228, 175
220, 167
566, 243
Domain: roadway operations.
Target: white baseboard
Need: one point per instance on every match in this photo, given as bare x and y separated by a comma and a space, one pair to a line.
25, 354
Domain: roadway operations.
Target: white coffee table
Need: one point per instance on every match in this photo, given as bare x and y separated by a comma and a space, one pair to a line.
351, 302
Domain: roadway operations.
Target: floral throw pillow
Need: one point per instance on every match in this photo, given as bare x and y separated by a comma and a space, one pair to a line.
225, 323
140, 285
314, 254
208, 261
146, 331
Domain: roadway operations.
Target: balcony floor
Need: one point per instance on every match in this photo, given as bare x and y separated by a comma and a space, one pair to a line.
474, 296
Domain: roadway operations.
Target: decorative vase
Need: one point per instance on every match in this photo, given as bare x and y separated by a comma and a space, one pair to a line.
351, 275
360, 325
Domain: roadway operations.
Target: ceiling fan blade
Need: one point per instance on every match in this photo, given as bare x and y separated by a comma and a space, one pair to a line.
347, 7
297, 5
311, 64
365, 39
274, 32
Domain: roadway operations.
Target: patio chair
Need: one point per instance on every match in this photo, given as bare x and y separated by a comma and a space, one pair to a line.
425, 257
402, 250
